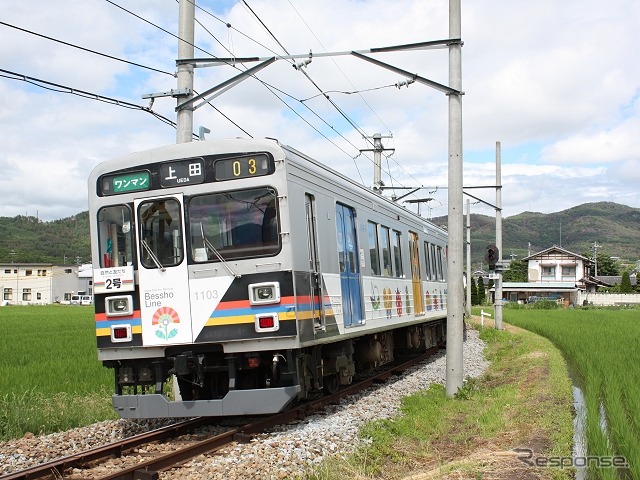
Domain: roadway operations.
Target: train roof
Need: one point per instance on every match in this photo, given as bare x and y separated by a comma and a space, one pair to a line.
242, 146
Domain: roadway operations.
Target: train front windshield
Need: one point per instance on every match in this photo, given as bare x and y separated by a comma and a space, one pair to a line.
237, 224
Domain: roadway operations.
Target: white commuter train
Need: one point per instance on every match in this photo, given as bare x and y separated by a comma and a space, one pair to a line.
252, 275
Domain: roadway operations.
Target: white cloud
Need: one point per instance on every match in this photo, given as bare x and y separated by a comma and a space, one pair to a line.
552, 81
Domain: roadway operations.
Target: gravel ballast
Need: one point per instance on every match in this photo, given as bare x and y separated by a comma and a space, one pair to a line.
285, 452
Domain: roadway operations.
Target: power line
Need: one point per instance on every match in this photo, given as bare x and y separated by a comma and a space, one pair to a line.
338, 67
85, 49
323, 93
314, 84
55, 87
269, 87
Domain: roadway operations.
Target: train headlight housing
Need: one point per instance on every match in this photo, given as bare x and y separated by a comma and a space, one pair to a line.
119, 306
264, 293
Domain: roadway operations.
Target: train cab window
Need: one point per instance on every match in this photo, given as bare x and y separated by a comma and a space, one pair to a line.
397, 254
374, 248
160, 233
115, 236
238, 224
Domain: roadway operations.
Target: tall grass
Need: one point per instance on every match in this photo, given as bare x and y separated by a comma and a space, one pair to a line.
50, 376
602, 348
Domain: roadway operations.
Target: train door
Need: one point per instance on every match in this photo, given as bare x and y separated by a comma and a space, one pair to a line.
162, 273
349, 265
416, 281
315, 287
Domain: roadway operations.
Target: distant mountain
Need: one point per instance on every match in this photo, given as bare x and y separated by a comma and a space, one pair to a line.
60, 242
615, 227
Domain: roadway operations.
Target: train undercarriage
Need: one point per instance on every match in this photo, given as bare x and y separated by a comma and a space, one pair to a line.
206, 376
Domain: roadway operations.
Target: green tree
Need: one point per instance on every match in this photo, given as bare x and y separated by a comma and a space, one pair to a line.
481, 291
607, 266
625, 283
517, 272
474, 292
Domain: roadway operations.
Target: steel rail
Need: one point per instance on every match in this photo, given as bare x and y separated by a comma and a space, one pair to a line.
148, 470
116, 449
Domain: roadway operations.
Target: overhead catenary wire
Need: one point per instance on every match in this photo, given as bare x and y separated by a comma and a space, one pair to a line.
267, 85
56, 87
325, 94
363, 99
70, 90
338, 67
95, 52
349, 120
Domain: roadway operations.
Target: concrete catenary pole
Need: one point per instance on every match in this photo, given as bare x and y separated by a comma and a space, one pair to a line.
498, 284
455, 297
186, 21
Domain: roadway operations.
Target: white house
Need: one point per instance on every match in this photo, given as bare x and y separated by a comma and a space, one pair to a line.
554, 273
556, 264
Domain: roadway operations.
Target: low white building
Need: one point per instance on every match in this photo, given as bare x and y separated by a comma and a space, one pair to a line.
42, 283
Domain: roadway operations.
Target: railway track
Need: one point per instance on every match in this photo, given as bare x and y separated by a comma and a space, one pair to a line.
80, 465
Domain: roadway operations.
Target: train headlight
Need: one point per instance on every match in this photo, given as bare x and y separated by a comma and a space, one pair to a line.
264, 293
119, 306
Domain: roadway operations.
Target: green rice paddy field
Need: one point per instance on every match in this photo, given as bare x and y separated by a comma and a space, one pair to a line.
51, 379
50, 376
602, 348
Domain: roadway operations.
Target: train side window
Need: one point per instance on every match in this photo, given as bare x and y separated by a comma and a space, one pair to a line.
374, 248
397, 254
342, 261
386, 251
433, 262
115, 236
427, 259
439, 259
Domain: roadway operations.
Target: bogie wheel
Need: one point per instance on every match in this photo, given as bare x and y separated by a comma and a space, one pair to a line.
330, 383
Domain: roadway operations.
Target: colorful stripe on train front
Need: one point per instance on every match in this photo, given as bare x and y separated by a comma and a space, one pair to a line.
105, 329
239, 320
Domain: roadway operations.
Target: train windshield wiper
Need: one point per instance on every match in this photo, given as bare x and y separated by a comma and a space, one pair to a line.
215, 251
152, 255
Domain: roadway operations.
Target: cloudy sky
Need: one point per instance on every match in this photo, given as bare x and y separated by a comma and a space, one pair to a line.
556, 83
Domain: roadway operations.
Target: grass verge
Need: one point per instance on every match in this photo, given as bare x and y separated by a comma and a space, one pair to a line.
524, 400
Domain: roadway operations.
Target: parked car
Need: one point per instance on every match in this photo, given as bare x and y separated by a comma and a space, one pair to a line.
86, 300
75, 300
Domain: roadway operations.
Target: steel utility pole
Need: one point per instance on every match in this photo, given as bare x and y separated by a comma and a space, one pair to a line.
186, 21
455, 300
498, 284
